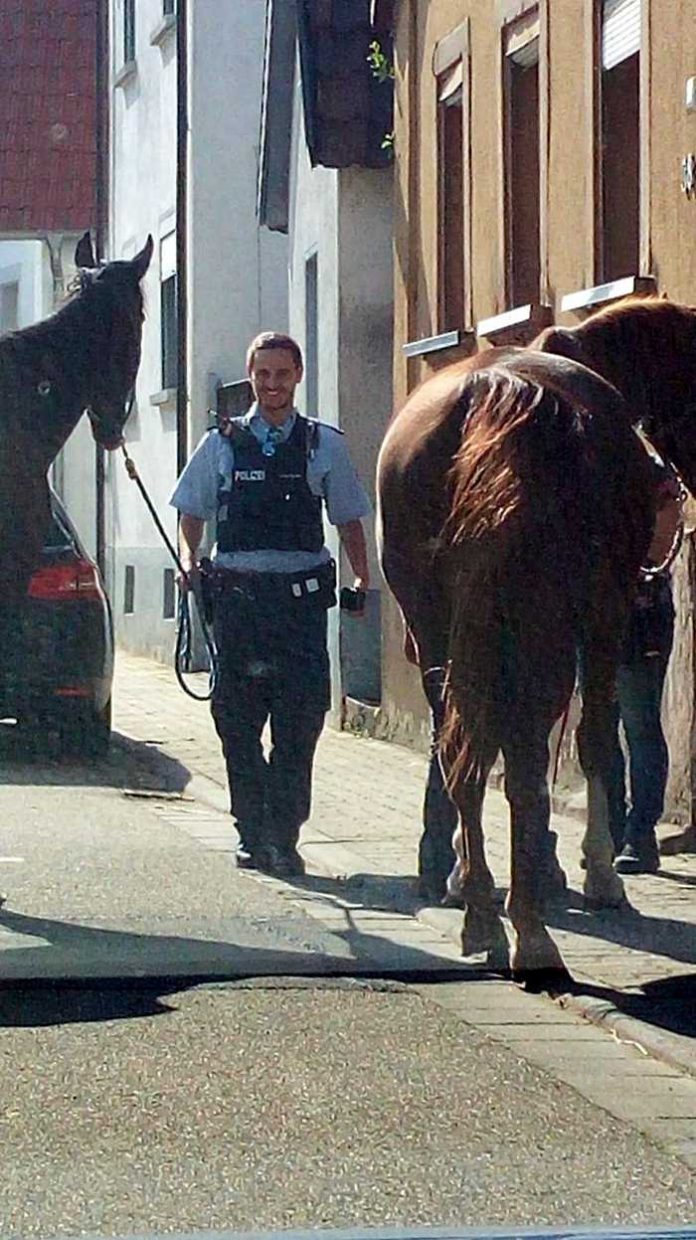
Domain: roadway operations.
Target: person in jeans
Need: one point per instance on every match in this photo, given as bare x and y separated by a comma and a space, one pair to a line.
639, 686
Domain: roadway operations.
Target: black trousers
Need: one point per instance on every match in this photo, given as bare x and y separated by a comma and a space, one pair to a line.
274, 667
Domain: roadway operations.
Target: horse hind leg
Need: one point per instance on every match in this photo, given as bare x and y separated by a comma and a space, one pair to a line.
535, 958
470, 885
603, 887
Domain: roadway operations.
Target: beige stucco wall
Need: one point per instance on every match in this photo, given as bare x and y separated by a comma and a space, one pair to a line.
569, 261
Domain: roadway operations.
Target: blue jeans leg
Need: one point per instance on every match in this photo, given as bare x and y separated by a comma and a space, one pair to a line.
639, 687
616, 790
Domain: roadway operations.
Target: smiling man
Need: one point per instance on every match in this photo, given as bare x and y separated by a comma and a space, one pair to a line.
266, 479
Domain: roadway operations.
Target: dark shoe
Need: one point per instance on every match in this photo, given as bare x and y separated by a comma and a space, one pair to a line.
248, 858
431, 889
284, 862
632, 860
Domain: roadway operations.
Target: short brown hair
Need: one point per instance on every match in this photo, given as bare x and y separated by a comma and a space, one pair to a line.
273, 340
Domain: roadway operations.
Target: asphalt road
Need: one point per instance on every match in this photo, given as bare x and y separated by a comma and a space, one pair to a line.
155, 1104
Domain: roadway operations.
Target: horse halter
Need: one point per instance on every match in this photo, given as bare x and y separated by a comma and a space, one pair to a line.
648, 572
97, 419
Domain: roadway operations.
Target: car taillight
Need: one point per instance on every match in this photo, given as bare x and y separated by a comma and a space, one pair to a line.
78, 579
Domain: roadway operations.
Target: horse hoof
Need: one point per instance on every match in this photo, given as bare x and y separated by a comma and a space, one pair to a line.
498, 958
553, 981
483, 932
604, 891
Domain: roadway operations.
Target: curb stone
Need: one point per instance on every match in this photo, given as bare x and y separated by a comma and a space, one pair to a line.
656, 1043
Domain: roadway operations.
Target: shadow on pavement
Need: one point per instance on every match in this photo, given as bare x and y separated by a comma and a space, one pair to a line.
660, 936
381, 893
37, 984
685, 880
128, 764
668, 1003
40, 1004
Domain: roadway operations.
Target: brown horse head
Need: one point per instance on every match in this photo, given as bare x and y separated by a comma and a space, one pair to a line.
111, 298
645, 347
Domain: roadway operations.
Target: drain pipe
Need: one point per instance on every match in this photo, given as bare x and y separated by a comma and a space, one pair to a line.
182, 150
102, 228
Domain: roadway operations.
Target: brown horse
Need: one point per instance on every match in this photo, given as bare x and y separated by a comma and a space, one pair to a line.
85, 357
516, 507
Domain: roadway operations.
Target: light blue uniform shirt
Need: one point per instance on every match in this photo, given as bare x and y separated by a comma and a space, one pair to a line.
330, 474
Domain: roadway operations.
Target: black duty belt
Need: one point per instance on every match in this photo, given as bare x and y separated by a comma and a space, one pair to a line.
317, 584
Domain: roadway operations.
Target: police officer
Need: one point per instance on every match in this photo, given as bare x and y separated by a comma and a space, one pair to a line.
264, 478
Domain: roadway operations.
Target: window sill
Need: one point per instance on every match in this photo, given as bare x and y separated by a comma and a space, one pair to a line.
589, 298
519, 325
125, 73
436, 344
163, 28
166, 399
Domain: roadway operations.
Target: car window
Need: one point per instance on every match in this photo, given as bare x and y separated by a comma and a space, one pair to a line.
58, 537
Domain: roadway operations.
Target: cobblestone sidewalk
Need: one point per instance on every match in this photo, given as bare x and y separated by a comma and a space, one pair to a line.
361, 842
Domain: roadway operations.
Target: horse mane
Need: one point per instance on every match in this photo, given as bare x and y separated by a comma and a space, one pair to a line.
632, 344
88, 312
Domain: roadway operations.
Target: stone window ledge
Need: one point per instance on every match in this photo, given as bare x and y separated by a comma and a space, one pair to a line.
163, 29
126, 73
436, 344
600, 294
519, 325
165, 399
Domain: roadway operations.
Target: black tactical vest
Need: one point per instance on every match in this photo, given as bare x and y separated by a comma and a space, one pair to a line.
270, 506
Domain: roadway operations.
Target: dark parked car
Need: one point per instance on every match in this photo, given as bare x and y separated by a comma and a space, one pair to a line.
57, 677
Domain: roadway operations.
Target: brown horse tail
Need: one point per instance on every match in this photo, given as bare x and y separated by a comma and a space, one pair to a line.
497, 514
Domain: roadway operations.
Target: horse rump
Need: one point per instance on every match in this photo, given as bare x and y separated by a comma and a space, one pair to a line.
527, 519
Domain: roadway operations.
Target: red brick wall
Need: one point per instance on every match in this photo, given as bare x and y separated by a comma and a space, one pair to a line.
47, 115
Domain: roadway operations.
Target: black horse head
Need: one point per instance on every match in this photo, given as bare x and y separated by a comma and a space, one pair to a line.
111, 298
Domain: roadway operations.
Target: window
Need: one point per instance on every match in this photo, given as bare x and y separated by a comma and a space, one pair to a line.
312, 335
451, 147
450, 65
521, 160
168, 7
129, 590
620, 138
128, 31
168, 311
9, 307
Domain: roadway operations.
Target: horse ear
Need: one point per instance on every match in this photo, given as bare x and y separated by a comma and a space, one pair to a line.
141, 262
84, 254
559, 340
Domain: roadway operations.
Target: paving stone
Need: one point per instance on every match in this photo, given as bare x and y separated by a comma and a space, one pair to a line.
344, 840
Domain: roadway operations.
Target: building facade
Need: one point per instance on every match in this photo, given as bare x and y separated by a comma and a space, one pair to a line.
327, 181
544, 166
183, 143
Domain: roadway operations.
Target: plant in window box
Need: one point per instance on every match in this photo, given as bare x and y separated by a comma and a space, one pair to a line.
383, 70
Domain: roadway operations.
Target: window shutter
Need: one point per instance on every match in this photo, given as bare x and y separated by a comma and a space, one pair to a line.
620, 31
526, 55
522, 40
452, 86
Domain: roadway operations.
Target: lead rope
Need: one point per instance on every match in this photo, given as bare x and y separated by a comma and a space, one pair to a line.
184, 627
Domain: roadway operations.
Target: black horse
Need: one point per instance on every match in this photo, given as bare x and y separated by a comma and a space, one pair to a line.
84, 358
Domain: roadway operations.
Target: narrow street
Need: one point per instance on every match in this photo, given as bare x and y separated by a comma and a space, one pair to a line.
186, 1046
